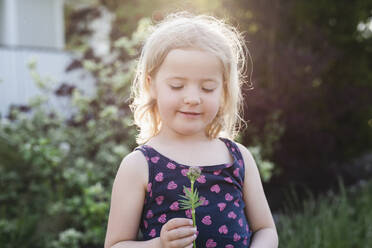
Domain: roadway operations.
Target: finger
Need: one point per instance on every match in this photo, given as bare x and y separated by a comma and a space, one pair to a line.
184, 242
177, 222
181, 232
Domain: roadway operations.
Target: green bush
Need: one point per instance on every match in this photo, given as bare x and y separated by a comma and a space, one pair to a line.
56, 171
331, 221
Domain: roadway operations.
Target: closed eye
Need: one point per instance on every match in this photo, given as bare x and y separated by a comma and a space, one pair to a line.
207, 90
176, 87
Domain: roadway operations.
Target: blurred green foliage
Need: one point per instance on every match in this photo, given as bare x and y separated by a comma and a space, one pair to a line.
57, 171
310, 107
333, 220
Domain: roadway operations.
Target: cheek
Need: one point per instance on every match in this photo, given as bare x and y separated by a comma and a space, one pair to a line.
213, 104
167, 97
166, 103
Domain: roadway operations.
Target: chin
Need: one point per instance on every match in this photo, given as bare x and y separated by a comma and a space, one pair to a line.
189, 132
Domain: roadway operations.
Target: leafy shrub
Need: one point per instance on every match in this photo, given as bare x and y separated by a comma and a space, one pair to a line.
57, 170
341, 220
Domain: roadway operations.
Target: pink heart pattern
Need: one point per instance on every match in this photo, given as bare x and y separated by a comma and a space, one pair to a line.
223, 229
216, 188
184, 172
229, 197
236, 172
152, 233
204, 201
155, 159
236, 202
201, 179
228, 179
166, 184
162, 218
159, 200
210, 243
240, 221
159, 177
207, 220
188, 213
231, 215
222, 206
172, 185
149, 214
236, 237
171, 166
174, 206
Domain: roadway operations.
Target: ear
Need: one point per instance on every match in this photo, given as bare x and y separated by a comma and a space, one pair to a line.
151, 86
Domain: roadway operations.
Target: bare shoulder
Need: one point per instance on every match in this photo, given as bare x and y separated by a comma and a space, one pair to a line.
257, 210
129, 187
133, 165
135, 160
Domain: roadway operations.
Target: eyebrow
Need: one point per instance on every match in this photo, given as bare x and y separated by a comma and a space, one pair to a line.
185, 79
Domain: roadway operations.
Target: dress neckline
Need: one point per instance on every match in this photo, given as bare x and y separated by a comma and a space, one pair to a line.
203, 167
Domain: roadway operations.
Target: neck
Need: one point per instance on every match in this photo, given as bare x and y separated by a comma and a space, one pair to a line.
175, 138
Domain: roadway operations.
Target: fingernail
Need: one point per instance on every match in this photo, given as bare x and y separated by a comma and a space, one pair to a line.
190, 221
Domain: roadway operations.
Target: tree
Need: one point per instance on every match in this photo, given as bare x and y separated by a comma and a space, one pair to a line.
312, 75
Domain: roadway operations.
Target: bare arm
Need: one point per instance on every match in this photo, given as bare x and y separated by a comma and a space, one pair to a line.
257, 209
128, 194
139, 244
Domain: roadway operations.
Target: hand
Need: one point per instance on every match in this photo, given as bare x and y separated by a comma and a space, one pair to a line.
177, 233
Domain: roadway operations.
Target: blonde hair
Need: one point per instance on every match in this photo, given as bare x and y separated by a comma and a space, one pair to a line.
202, 32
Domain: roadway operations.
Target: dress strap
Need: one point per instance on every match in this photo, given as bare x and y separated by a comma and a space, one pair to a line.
143, 150
234, 150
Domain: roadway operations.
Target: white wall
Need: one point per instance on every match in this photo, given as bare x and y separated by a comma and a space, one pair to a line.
34, 30
32, 23
17, 85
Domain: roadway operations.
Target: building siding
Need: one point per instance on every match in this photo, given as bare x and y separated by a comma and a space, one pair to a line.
17, 86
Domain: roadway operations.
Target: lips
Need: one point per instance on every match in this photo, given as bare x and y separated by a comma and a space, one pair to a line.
190, 113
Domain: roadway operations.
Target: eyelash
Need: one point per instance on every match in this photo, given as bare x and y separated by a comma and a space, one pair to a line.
176, 87
180, 87
208, 90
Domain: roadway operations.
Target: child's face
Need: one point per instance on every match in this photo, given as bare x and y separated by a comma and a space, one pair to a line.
188, 88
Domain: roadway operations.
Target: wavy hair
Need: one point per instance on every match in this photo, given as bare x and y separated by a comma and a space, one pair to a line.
184, 30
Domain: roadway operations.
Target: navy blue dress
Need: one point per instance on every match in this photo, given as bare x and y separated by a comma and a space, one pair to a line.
221, 220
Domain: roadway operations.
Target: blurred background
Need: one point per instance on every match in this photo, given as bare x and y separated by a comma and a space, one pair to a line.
65, 73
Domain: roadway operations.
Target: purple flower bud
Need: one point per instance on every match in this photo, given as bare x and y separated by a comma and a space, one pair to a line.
194, 173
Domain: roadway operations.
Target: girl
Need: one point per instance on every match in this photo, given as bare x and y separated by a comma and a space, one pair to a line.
186, 97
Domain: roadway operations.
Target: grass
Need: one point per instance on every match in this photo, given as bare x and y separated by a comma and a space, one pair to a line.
343, 220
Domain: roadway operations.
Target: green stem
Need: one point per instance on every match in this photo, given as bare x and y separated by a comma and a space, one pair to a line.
193, 211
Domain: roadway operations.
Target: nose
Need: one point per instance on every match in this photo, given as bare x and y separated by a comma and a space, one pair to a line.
192, 98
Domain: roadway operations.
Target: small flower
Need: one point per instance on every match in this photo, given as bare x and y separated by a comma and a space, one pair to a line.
194, 173
191, 198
